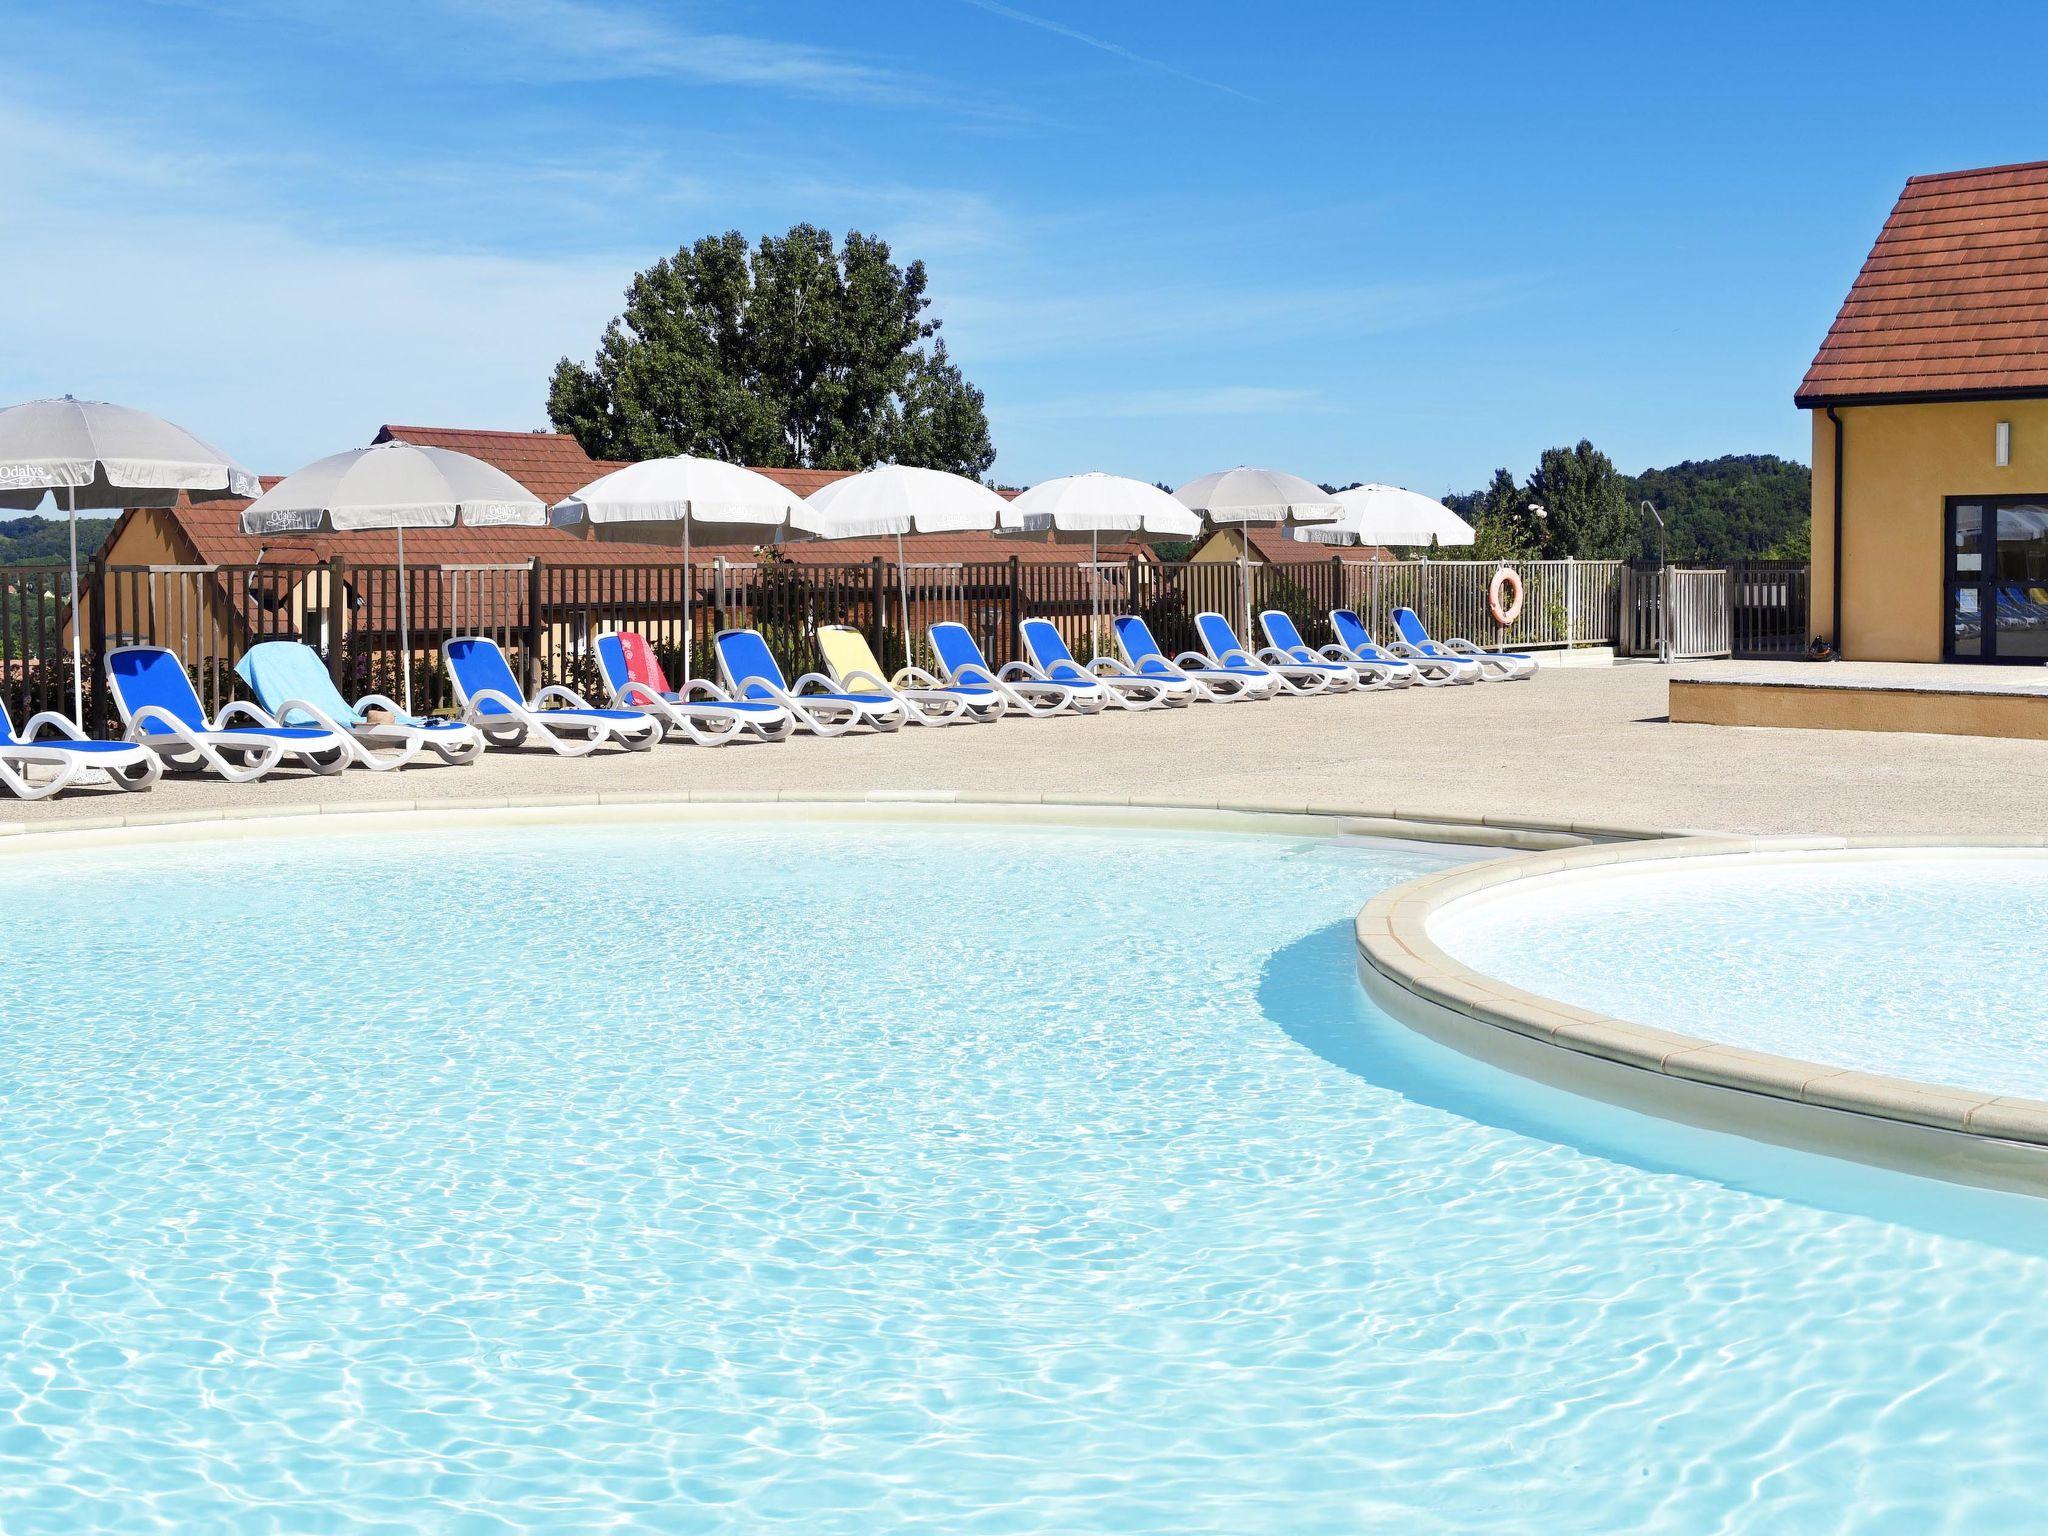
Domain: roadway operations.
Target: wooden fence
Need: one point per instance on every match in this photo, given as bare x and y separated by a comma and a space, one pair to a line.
545, 615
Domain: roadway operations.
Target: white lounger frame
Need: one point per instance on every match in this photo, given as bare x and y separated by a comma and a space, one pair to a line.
402, 742
1018, 682
1122, 687
821, 717
1430, 671
926, 700
181, 747
701, 721
696, 716
1493, 666
1209, 687
564, 735
1370, 675
125, 771
1289, 675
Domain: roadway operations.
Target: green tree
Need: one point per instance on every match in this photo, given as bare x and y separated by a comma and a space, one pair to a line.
1586, 511
1503, 526
795, 352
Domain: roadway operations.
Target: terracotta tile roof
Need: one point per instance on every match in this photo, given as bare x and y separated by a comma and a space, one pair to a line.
1953, 299
1276, 547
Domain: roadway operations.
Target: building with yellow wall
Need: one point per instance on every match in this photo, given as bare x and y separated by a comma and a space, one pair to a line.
1929, 402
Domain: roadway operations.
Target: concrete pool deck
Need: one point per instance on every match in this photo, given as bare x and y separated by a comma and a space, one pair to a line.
1577, 745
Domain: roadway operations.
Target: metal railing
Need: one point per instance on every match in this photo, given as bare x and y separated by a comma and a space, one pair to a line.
1766, 606
545, 615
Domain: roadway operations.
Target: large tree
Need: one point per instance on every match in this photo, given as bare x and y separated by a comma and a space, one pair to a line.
793, 352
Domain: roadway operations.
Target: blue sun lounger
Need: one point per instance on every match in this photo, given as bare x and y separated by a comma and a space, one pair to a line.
1120, 687
1285, 639
1301, 678
1023, 689
1205, 677
65, 756
557, 718
701, 711
1497, 666
162, 712
292, 684
1355, 643
817, 704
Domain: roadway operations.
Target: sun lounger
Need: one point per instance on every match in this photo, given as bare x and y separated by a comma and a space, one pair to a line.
1023, 688
851, 664
1300, 678
292, 684
1285, 639
557, 718
1120, 686
58, 761
161, 711
1355, 643
1497, 666
817, 704
1208, 680
701, 712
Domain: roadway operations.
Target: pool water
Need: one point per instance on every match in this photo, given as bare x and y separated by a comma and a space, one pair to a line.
1928, 967
860, 1179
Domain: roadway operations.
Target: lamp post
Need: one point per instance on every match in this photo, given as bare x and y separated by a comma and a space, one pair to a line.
1660, 532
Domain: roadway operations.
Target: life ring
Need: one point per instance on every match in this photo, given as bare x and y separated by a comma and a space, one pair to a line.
1504, 597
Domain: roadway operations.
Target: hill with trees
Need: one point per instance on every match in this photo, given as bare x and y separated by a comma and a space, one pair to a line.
1742, 506
44, 541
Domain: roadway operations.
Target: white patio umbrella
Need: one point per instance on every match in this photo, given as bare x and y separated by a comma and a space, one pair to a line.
1386, 514
1246, 497
1078, 508
102, 457
397, 486
899, 499
724, 503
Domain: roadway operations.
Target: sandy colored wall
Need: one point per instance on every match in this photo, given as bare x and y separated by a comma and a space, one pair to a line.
1901, 463
177, 611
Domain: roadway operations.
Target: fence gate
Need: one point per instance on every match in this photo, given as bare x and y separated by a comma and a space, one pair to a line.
1696, 615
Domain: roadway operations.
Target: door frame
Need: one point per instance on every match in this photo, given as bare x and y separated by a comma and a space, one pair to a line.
1986, 604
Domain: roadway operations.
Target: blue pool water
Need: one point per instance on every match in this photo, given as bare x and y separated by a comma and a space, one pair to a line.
863, 1179
1929, 966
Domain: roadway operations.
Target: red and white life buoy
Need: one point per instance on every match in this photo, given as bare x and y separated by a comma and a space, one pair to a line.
1504, 597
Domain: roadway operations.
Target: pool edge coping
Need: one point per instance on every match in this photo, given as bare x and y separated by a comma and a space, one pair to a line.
1326, 818
1394, 946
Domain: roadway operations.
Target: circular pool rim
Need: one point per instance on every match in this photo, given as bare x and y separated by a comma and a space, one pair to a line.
1966, 1135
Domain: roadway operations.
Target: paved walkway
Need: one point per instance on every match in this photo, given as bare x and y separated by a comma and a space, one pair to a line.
1577, 744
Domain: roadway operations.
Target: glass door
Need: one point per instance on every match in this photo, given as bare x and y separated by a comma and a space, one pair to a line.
1997, 579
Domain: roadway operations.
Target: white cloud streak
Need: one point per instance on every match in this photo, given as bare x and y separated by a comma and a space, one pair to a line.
1088, 39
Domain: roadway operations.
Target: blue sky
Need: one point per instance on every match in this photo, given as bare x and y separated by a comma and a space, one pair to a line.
1405, 243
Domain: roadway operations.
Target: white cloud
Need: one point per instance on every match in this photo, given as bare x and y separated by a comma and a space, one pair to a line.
135, 275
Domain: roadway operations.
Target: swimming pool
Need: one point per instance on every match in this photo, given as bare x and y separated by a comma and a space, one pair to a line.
1922, 965
858, 1178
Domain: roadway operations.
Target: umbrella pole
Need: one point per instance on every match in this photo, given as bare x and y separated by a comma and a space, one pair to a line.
77, 648
689, 635
1094, 592
1244, 577
903, 595
404, 628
